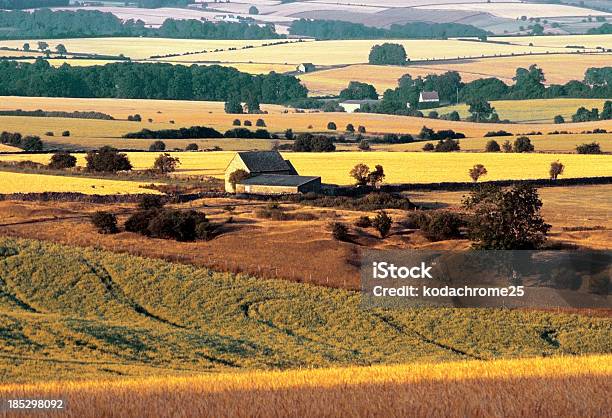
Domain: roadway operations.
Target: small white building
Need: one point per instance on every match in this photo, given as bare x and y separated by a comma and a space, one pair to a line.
429, 97
306, 67
351, 106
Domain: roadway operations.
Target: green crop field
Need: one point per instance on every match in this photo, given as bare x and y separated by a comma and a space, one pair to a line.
74, 313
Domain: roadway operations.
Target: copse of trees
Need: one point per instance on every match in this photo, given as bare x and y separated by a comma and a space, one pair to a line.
31, 4
26, 143
336, 29
62, 160
592, 148
107, 160
359, 91
45, 23
388, 54
313, 143
195, 132
146, 81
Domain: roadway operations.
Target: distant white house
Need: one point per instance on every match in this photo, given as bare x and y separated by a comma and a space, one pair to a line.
351, 106
429, 97
306, 67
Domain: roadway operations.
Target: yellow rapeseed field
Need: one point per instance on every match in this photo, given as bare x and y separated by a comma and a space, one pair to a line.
555, 387
11, 182
400, 167
558, 69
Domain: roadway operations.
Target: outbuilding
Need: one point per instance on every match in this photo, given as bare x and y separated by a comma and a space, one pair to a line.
279, 184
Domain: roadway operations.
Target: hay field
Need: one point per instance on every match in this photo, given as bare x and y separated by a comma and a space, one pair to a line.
558, 69
542, 143
534, 111
400, 167
588, 41
558, 387
11, 182
140, 48
357, 51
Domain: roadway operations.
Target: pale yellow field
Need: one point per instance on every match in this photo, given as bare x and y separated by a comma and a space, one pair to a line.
400, 167
140, 48
357, 51
558, 69
4, 53
557, 387
37, 183
588, 41
542, 143
532, 111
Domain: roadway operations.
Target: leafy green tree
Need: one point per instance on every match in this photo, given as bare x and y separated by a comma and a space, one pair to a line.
165, 163
360, 173
492, 146
107, 159
233, 106
606, 113
529, 83
592, 148
481, 111
157, 146
26, 46
61, 49
559, 119
62, 160
523, 144
506, 219
376, 177
359, 91
42, 46
556, 169
388, 54
477, 172
253, 10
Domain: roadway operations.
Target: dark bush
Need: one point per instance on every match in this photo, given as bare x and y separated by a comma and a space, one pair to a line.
492, 146
194, 132
107, 159
105, 222
523, 144
32, 143
49, 133
260, 122
363, 222
236, 122
447, 145
497, 133
442, 225
192, 147
62, 160
340, 231
592, 148
151, 201
66, 133
139, 222
428, 147
248, 123
157, 146
332, 126
177, 224
382, 223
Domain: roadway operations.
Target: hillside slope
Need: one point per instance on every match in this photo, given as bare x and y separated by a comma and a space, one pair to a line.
76, 313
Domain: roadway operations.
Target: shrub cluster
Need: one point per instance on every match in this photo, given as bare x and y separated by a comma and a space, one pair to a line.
313, 143
56, 114
437, 225
245, 133
26, 143
428, 134
194, 132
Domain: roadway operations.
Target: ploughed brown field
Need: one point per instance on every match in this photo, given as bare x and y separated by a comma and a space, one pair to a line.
297, 250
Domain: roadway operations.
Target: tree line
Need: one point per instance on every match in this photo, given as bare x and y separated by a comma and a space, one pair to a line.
145, 81
45, 23
31, 4
336, 29
528, 84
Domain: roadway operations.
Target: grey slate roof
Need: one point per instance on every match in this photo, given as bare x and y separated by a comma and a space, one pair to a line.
264, 161
430, 95
278, 180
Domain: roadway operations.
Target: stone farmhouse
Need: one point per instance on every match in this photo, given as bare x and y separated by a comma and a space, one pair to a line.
269, 173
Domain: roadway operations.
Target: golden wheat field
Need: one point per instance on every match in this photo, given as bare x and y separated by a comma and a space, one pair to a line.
549, 387
186, 113
11, 182
139, 48
558, 69
400, 167
562, 41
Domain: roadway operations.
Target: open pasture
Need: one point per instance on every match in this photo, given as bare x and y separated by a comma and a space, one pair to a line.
400, 167
558, 69
558, 386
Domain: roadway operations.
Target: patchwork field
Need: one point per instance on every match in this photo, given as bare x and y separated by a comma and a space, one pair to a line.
11, 182
87, 133
558, 69
512, 11
400, 167
557, 385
